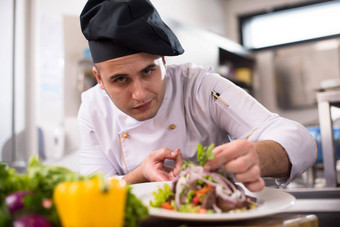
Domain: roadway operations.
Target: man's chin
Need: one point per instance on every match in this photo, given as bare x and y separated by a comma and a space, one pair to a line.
143, 116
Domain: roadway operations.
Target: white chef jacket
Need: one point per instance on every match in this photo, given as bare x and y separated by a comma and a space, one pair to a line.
113, 143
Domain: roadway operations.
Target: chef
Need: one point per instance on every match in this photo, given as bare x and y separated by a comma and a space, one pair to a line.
145, 117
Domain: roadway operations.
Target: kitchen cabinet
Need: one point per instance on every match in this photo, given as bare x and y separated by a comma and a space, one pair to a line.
237, 65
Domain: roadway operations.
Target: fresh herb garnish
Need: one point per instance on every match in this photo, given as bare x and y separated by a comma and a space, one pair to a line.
205, 154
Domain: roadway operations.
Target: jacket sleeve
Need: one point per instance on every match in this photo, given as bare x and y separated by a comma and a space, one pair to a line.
92, 158
245, 118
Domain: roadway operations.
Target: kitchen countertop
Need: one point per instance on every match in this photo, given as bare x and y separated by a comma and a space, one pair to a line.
312, 208
283, 219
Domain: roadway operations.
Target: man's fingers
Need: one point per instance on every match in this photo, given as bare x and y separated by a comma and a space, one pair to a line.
168, 169
178, 162
161, 176
242, 163
250, 175
255, 186
228, 152
165, 153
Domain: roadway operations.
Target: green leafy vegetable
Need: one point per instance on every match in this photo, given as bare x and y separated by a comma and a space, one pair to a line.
45, 178
10, 181
5, 217
161, 195
190, 195
135, 211
204, 154
42, 179
186, 164
35, 204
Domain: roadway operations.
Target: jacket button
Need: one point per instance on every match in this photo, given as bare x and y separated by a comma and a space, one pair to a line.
126, 135
172, 126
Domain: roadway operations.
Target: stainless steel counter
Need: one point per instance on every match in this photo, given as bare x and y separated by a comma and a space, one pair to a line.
323, 202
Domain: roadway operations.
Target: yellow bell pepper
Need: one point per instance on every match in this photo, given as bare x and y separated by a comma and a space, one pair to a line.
87, 204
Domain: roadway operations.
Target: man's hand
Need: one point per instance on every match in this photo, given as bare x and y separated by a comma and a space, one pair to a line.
240, 158
153, 167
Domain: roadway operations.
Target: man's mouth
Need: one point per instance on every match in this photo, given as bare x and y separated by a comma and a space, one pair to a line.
143, 106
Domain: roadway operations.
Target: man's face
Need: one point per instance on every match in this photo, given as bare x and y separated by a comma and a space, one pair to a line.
135, 83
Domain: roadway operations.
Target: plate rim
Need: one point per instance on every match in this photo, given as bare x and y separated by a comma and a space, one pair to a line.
249, 214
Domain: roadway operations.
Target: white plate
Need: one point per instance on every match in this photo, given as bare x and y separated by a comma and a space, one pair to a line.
270, 201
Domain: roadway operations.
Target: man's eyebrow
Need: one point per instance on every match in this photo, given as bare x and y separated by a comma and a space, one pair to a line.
117, 75
152, 65
112, 77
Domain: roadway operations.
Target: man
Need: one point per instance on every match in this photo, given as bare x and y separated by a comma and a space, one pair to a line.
144, 117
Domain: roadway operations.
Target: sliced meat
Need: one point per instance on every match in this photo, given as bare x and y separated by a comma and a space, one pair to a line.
209, 199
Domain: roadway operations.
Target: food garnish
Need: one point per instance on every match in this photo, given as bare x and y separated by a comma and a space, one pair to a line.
195, 190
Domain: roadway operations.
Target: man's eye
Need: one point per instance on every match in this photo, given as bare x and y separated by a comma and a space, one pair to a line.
120, 79
147, 72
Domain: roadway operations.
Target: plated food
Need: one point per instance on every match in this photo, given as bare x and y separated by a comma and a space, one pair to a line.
269, 201
195, 190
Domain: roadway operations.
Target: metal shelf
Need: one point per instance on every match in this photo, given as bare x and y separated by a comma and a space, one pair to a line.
326, 99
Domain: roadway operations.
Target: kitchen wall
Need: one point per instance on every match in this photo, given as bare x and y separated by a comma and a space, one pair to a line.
51, 95
220, 17
6, 96
14, 93
204, 14
58, 46
264, 81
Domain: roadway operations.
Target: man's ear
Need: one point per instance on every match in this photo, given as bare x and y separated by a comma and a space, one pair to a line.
98, 77
164, 62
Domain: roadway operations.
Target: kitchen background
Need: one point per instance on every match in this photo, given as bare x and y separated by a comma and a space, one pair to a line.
46, 66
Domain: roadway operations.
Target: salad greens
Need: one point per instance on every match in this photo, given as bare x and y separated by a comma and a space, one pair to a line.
196, 190
203, 155
39, 177
42, 179
161, 195
134, 210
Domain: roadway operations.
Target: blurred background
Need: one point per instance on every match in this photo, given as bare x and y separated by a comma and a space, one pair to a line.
283, 52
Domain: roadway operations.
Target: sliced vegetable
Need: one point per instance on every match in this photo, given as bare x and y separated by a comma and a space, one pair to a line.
196, 190
31, 220
167, 205
202, 211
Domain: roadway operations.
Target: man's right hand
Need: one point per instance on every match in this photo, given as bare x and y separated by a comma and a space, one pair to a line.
153, 167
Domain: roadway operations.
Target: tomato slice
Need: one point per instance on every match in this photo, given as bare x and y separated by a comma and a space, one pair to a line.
202, 211
196, 200
167, 205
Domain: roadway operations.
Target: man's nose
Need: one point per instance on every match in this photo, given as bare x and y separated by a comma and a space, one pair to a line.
138, 90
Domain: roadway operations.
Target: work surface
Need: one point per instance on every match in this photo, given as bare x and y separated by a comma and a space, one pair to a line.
312, 208
284, 219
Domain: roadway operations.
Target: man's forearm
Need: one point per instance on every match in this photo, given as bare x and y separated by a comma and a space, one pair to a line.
135, 176
274, 161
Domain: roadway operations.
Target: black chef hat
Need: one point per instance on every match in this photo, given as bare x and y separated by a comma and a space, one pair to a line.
116, 28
